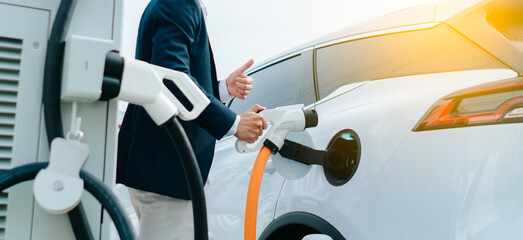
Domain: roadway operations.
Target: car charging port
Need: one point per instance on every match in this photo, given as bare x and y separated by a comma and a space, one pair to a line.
342, 157
340, 161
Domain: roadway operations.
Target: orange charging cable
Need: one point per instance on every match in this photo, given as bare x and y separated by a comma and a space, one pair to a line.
251, 208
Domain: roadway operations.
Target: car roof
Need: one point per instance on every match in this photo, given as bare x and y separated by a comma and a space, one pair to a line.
459, 14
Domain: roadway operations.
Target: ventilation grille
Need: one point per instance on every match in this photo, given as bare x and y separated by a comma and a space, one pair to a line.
10, 64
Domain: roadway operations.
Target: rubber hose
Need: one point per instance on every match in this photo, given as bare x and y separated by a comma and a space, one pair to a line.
110, 203
253, 193
94, 186
53, 70
79, 223
193, 174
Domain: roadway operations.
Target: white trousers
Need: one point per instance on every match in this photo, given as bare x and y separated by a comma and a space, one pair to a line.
161, 217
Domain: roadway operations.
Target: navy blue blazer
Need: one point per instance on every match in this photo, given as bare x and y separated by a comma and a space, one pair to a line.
172, 34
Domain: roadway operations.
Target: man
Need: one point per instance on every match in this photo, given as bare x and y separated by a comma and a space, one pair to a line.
173, 34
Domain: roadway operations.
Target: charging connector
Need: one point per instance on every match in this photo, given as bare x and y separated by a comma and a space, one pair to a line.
282, 121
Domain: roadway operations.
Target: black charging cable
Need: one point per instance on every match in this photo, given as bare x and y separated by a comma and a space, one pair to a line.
193, 174
94, 186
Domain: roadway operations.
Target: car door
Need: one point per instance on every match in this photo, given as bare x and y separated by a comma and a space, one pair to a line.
285, 81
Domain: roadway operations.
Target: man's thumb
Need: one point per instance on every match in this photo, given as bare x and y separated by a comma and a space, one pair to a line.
247, 65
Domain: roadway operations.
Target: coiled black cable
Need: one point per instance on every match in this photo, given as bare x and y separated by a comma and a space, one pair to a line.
94, 186
193, 174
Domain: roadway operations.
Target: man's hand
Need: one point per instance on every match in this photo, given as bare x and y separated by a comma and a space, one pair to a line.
238, 84
251, 124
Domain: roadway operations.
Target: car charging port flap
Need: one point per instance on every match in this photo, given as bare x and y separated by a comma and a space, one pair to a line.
342, 157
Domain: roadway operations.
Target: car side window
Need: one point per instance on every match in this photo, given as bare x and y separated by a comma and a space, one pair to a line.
399, 54
285, 82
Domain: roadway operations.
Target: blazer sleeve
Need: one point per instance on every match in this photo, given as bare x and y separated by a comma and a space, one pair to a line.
174, 29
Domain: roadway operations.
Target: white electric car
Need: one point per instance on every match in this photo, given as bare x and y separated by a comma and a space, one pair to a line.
424, 110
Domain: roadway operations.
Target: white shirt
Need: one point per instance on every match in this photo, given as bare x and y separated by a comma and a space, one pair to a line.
225, 97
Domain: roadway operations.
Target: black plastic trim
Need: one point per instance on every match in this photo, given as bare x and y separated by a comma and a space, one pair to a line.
311, 118
289, 226
274, 149
110, 88
114, 65
270, 64
301, 153
113, 72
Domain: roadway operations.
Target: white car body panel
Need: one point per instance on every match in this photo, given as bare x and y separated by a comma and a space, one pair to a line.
383, 123
469, 187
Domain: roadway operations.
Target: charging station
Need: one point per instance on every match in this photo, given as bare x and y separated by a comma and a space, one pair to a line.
26, 27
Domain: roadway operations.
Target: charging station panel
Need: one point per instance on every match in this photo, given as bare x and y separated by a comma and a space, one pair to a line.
26, 26
23, 41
